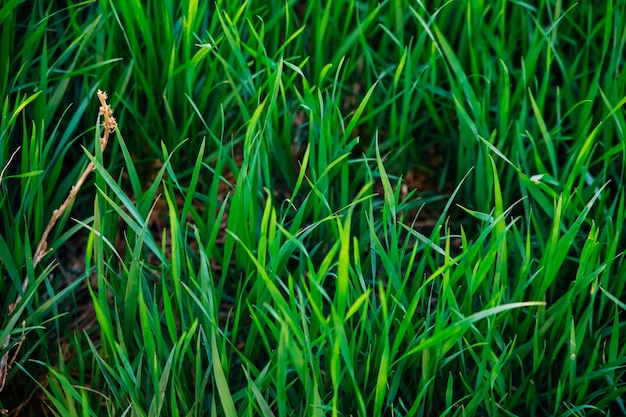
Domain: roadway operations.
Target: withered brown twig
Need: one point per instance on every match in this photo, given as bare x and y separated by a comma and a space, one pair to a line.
42, 248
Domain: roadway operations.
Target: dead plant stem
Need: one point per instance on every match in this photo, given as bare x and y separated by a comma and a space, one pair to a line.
42, 248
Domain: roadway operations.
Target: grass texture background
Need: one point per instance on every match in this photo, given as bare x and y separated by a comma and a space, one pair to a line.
397, 208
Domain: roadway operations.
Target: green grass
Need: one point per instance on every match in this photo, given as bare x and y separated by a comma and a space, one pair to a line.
252, 241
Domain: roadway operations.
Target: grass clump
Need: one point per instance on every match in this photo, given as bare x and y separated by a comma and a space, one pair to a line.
363, 208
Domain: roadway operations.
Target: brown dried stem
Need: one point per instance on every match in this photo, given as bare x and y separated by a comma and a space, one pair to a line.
42, 248
109, 127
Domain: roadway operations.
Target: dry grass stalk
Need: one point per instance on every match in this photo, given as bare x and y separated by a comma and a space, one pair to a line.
9, 163
109, 125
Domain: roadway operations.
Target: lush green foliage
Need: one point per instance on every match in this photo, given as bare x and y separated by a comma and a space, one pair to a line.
247, 244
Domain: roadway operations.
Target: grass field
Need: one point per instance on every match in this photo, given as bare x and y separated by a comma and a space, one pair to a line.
337, 208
